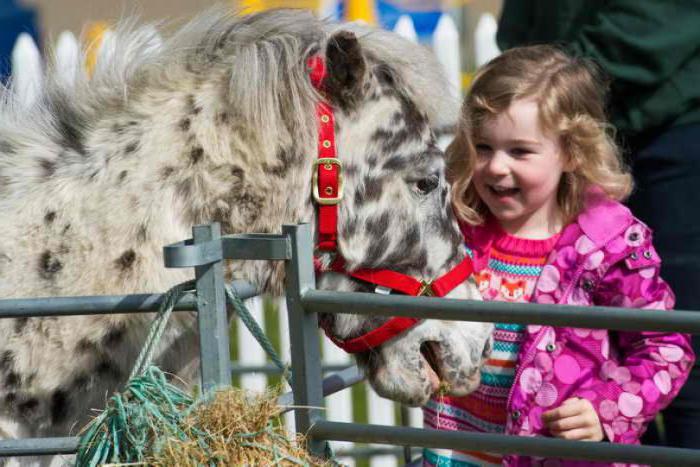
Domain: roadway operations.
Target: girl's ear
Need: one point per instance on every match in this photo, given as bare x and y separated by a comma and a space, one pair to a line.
571, 164
569, 153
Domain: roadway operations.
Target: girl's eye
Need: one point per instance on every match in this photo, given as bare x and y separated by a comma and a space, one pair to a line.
482, 150
520, 151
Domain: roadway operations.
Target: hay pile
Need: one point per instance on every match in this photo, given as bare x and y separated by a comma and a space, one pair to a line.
242, 429
154, 423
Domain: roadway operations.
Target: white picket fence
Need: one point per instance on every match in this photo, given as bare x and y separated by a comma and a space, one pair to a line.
28, 65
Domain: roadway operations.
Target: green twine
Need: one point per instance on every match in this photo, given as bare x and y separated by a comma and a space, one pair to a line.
170, 299
257, 332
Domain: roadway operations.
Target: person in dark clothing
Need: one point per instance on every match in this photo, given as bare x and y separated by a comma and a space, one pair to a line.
651, 52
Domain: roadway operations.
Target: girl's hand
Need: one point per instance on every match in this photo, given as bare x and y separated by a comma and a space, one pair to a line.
574, 419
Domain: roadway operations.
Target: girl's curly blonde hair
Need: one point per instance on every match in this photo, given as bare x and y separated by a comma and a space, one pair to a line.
571, 99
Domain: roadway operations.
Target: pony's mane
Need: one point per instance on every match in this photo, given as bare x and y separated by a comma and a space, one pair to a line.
264, 54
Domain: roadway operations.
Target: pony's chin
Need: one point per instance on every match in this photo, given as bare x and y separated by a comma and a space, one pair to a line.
413, 392
417, 392
415, 388
463, 387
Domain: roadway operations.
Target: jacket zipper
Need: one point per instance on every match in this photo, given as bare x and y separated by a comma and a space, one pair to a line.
538, 338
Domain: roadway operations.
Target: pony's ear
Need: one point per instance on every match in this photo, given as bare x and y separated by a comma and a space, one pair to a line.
346, 68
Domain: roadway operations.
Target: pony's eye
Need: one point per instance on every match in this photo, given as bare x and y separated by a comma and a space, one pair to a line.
428, 184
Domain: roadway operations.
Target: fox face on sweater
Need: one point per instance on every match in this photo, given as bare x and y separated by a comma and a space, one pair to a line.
483, 280
512, 291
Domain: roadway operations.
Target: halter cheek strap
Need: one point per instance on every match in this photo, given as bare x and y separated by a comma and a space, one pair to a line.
327, 181
376, 337
327, 188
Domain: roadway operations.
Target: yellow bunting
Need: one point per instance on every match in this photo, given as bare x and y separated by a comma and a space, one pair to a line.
93, 40
252, 6
361, 10
467, 80
256, 6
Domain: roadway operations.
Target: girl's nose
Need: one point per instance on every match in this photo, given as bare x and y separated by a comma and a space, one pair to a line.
498, 164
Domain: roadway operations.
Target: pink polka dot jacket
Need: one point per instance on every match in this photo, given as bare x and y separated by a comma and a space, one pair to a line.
604, 258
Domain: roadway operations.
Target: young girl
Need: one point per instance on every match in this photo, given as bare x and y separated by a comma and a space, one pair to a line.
537, 184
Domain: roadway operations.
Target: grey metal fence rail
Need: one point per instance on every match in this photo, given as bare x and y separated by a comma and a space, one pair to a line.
206, 253
304, 303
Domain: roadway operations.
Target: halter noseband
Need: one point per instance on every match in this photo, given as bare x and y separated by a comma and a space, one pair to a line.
328, 192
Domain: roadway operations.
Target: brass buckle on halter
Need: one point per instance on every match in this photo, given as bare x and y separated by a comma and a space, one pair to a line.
426, 289
327, 162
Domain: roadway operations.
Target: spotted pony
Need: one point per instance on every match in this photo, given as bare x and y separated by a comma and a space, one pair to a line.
217, 124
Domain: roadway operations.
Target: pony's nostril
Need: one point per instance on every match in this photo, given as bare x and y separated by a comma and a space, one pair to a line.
429, 351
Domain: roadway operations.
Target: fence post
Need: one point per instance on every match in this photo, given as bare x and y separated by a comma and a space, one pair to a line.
485, 46
27, 70
303, 329
212, 319
68, 61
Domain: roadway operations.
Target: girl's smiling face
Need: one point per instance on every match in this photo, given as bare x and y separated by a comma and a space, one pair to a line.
518, 169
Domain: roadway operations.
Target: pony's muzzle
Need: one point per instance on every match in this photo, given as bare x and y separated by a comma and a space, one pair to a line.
443, 358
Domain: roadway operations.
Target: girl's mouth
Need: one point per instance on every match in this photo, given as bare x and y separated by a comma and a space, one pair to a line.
503, 192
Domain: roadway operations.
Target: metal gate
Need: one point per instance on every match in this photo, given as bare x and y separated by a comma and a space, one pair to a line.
208, 250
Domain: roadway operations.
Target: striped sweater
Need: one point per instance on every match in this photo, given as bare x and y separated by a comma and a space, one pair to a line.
510, 275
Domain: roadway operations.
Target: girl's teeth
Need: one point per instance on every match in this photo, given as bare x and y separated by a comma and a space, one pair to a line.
502, 191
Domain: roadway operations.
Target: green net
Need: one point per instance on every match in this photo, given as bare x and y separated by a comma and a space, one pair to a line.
152, 417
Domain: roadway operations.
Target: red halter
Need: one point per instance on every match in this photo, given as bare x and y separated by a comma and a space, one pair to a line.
328, 192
